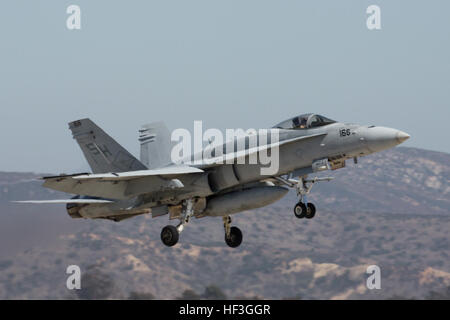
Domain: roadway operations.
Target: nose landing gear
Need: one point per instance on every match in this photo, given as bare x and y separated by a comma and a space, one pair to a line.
307, 211
303, 208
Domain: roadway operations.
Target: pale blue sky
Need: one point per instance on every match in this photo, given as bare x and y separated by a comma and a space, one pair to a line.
230, 63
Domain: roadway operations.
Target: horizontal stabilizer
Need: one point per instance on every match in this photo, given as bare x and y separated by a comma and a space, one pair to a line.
121, 185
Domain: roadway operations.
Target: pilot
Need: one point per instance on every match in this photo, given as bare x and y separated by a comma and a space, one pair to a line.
299, 123
303, 123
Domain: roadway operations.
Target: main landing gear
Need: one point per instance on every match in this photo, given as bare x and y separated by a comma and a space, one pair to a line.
171, 234
303, 208
233, 235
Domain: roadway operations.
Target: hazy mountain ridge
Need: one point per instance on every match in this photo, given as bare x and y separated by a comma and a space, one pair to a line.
400, 180
392, 210
285, 258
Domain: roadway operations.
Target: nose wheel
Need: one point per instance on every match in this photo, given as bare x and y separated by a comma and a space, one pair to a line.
310, 210
300, 210
303, 208
307, 211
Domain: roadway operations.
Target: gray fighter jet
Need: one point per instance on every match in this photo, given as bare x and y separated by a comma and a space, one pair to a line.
121, 186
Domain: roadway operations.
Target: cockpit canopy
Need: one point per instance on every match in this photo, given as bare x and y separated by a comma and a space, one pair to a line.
305, 121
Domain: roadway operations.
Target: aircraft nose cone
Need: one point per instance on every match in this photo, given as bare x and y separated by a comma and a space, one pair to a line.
382, 138
402, 136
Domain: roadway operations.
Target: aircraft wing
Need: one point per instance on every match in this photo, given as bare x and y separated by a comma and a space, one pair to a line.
122, 185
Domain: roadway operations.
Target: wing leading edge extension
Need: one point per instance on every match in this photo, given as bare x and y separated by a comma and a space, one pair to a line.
65, 201
235, 156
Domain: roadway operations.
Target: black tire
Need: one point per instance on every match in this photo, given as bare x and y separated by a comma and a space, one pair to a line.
310, 211
235, 238
170, 236
300, 210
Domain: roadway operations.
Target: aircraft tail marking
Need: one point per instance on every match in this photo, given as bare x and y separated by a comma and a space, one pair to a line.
101, 151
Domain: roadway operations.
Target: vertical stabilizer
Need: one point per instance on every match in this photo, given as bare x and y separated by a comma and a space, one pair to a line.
155, 145
101, 151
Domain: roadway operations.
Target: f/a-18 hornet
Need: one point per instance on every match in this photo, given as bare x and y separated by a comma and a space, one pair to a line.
121, 186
